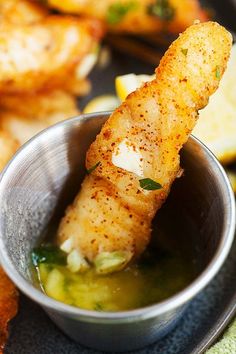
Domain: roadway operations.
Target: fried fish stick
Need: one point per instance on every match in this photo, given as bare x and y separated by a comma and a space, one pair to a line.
137, 152
23, 116
137, 16
8, 147
22, 11
44, 54
8, 306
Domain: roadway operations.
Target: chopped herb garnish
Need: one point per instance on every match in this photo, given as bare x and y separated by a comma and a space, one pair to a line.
48, 254
98, 307
149, 184
162, 9
91, 169
217, 72
117, 11
184, 51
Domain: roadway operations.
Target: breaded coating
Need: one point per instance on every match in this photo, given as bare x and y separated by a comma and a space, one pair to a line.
138, 16
43, 55
23, 116
20, 12
8, 146
142, 139
8, 306
77, 85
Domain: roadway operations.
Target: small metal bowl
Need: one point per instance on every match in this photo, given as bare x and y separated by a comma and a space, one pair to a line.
44, 176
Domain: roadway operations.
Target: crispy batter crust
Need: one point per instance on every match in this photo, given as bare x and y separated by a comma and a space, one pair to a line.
138, 19
23, 116
22, 11
44, 54
8, 147
8, 306
112, 212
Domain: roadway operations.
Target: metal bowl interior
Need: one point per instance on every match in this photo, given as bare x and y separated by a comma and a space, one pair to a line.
45, 175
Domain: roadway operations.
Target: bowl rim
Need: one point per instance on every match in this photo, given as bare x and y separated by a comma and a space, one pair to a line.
154, 310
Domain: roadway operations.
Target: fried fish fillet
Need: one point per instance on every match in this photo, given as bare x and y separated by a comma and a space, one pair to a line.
22, 11
8, 306
44, 54
139, 16
140, 144
8, 146
23, 116
8, 292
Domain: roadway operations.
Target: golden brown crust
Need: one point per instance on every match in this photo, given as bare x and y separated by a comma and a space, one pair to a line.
112, 212
8, 306
138, 19
8, 147
23, 116
48, 52
22, 11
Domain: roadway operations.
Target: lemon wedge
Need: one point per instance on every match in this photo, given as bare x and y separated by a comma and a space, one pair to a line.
126, 84
102, 103
232, 178
216, 126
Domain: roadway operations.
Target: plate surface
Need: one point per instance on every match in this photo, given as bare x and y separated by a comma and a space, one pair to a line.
207, 315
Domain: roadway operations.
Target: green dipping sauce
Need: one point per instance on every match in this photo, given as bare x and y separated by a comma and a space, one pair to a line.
159, 274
